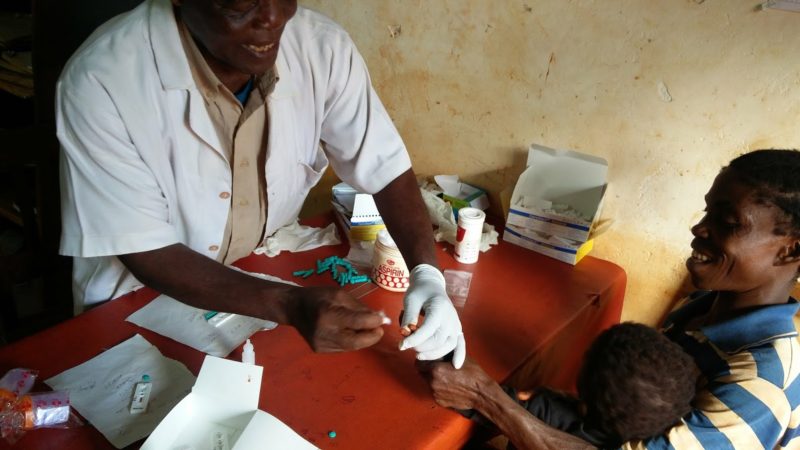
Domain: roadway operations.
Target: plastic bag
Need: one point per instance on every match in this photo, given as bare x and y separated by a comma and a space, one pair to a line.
22, 411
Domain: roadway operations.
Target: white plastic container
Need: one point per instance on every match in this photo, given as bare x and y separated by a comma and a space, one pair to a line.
248, 353
468, 235
389, 271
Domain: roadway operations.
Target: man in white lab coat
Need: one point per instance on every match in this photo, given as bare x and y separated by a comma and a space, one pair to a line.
192, 129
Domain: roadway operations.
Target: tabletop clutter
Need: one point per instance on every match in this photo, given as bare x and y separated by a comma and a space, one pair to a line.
554, 210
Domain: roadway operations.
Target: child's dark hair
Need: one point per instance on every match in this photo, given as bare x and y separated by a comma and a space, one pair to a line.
775, 174
635, 382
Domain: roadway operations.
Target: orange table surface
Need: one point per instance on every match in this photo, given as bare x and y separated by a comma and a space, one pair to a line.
526, 316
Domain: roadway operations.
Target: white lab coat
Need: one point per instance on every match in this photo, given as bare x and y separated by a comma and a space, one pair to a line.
142, 166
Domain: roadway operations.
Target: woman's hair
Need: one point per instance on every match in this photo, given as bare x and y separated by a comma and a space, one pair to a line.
775, 174
635, 382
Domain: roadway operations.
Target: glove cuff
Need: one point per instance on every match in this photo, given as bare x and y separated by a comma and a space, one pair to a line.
426, 272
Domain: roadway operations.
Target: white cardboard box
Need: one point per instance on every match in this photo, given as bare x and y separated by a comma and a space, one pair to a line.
559, 177
356, 213
222, 413
561, 249
361, 207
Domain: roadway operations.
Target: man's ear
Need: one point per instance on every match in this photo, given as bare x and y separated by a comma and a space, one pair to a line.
790, 253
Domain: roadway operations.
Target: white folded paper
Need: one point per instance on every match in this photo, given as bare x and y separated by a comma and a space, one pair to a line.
222, 413
101, 389
188, 325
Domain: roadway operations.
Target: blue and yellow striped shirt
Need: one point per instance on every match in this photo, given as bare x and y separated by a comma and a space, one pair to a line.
749, 391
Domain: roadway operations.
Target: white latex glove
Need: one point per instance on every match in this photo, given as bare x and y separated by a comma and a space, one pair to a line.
441, 331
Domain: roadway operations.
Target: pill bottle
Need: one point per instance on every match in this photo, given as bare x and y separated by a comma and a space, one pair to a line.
389, 271
468, 235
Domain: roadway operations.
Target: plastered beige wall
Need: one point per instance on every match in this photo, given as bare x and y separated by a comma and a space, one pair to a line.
666, 91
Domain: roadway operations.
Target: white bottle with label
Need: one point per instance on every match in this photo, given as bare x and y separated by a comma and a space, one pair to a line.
468, 235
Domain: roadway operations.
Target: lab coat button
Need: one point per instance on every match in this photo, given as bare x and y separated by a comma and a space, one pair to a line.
213, 248
224, 195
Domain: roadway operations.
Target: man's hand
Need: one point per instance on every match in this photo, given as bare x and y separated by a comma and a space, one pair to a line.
458, 389
441, 332
331, 320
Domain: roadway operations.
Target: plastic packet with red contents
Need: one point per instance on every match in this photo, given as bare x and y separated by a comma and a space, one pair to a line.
37, 410
14, 384
22, 411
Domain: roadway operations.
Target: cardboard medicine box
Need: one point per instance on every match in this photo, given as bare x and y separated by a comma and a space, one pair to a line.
356, 213
556, 202
563, 250
222, 413
461, 195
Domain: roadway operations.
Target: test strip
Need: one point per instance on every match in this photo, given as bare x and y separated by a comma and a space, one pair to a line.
220, 318
141, 397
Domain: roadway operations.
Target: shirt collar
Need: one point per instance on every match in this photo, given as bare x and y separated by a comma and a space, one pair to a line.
759, 326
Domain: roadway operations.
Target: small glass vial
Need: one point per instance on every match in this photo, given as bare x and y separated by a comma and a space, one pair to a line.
468, 235
389, 271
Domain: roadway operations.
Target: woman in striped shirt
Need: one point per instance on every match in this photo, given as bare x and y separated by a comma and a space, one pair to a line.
738, 328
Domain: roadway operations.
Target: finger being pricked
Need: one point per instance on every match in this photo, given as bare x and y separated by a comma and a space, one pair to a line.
422, 334
412, 325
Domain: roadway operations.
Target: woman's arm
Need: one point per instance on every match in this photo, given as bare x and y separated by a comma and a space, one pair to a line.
472, 388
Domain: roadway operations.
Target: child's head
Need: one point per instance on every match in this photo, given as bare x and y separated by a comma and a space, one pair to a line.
635, 382
749, 239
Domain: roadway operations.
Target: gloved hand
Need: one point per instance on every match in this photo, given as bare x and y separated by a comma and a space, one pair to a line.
441, 332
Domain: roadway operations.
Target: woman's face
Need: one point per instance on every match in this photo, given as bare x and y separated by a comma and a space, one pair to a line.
735, 247
237, 36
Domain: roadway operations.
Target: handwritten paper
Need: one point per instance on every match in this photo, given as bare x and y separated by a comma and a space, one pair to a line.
187, 324
101, 388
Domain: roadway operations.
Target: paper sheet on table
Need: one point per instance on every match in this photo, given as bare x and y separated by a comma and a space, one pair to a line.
187, 324
298, 238
101, 389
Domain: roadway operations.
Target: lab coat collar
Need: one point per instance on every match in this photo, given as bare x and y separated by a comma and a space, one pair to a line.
171, 62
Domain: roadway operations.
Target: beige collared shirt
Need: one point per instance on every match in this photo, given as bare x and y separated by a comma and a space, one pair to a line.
243, 132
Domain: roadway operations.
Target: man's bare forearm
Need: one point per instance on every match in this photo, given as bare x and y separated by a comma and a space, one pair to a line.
520, 426
406, 217
196, 280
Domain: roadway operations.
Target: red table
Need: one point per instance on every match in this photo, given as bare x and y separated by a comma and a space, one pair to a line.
528, 318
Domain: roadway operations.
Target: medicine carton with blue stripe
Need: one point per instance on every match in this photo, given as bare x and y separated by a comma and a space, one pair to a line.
557, 202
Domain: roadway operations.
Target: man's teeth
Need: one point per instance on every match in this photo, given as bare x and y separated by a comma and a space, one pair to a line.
262, 48
699, 256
